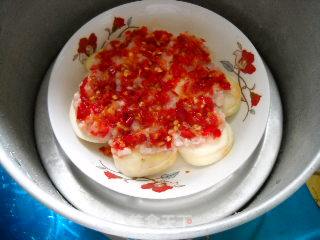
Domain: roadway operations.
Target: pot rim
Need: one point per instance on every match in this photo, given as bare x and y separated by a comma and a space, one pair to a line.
122, 230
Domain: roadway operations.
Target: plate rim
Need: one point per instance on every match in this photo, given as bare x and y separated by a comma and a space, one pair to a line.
103, 183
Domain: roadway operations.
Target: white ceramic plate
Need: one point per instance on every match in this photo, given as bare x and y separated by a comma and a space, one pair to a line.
227, 44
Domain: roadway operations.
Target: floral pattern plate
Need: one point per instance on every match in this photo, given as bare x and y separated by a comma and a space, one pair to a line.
232, 52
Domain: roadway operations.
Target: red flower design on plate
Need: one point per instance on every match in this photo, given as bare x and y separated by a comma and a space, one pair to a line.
118, 22
156, 186
88, 45
111, 175
244, 61
255, 98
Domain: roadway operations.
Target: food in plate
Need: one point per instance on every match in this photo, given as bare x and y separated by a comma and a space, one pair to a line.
151, 95
210, 151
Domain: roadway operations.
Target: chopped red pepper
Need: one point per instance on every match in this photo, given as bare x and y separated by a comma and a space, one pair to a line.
132, 90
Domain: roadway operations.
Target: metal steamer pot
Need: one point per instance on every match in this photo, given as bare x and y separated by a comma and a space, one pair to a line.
285, 34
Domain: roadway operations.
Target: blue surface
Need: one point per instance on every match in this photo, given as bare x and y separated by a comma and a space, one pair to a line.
22, 217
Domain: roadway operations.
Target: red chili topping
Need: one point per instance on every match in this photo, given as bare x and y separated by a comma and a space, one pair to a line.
148, 87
